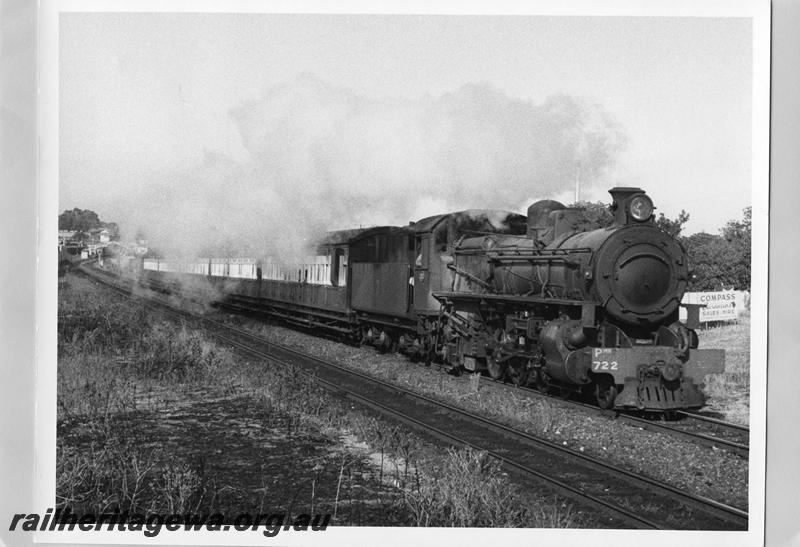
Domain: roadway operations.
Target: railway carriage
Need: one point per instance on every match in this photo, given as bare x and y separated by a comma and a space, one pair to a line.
311, 292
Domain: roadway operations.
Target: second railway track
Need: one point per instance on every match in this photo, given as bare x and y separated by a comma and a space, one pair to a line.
628, 499
697, 428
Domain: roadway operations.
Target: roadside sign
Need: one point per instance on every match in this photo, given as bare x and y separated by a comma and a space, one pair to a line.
719, 305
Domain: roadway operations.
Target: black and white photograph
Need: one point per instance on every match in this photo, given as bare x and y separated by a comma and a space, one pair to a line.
346, 274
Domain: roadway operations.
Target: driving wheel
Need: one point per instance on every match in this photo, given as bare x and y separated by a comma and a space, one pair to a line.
518, 372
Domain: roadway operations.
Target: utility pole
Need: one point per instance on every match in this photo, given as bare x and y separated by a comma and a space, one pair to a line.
577, 181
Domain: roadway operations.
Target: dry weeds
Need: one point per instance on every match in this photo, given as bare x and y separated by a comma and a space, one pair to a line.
127, 378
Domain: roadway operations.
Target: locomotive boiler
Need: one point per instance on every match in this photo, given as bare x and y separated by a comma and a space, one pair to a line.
591, 310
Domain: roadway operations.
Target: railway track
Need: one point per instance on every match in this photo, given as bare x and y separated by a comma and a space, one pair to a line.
627, 499
718, 434
697, 428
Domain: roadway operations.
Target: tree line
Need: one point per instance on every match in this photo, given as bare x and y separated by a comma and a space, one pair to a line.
83, 221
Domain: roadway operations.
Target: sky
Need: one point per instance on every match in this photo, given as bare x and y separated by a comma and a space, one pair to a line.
240, 126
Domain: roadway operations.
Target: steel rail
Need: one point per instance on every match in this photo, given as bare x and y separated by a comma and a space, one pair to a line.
705, 439
710, 440
709, 419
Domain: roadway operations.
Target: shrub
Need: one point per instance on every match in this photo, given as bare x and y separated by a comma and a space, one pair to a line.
470, 490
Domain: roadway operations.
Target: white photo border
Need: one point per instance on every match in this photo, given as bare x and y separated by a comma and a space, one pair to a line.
46, 301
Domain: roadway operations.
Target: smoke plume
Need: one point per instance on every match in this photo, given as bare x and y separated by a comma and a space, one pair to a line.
320, 157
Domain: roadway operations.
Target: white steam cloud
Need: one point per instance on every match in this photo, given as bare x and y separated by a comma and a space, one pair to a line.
321, 157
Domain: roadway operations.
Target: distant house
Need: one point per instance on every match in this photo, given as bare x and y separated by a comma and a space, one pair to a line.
93, 249
99, 235
140, 246
65, 237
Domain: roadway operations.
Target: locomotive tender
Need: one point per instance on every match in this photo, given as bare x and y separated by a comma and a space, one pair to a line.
532, 300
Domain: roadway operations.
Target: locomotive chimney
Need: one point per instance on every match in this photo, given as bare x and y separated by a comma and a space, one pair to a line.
621, 196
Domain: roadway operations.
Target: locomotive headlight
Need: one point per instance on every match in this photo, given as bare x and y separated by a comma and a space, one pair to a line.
641, 208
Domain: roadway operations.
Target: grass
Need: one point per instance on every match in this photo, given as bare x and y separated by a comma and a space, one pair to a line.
114, 360
470, 490
729, 392
146, 406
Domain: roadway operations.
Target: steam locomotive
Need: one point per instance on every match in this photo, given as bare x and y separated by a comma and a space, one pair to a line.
533, 300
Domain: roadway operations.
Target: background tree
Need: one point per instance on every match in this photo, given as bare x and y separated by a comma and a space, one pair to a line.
113, 230
737, 233
707, 261
83, 220
672, 226
78, 220
594, 215
721, 261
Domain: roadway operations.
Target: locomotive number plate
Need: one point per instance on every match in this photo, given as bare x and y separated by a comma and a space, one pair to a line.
604, 365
